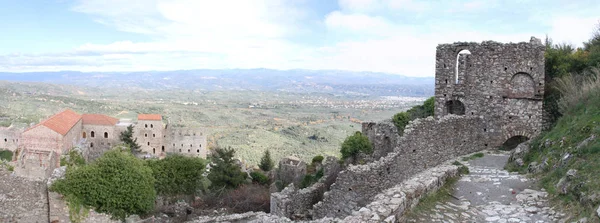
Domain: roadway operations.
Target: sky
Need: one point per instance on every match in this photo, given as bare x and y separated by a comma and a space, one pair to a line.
390, 36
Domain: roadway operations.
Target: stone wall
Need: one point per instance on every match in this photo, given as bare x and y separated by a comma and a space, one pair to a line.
291, 170
426, 143
383, 135
150, 134
105, 137
296, 204
500, 83
186, 141
22, 199
9, 138
36, 164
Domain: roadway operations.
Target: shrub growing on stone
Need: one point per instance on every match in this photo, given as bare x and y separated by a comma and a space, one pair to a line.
6, 155
73, 158
400, 121
259, 178
266, 163
225, 172
178, 175
355, 144
318, 159
117, 184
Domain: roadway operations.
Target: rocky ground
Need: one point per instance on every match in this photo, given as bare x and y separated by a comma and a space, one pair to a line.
491, 194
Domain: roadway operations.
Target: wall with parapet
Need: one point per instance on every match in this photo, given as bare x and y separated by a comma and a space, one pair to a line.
426, 143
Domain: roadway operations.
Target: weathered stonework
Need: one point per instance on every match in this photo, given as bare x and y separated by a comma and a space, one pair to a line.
9, 138
296, 204
501, 83
383, 137
291, 170
22, 200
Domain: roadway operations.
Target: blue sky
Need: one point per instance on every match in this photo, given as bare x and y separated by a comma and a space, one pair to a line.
392, 36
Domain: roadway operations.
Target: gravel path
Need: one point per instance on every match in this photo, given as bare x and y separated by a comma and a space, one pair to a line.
491, 194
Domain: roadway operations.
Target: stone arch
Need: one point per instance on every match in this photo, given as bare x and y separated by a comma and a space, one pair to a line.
512, 142
522, 85
455, 107
458, 69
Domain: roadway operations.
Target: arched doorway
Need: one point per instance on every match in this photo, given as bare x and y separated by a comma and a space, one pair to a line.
512, 142
461, 65
455, 107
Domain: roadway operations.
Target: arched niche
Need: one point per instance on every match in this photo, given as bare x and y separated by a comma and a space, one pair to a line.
522, 85
455, 107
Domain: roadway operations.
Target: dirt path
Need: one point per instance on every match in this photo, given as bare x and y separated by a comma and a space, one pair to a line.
491, 194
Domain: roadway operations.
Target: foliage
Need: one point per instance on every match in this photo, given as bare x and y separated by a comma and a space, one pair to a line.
248, 197
355, 144
318, 159
116, 183
224, 171
401, 119
474, 156
577, 89
310, 179
73, 158
259, 178
6, 155
266, 163
178, 175
127, 138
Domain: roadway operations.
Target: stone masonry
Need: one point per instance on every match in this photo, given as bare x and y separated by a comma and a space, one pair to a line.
501, 83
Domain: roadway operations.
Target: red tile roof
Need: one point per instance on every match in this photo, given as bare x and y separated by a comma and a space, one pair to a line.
98, 119
61, 122
151, 117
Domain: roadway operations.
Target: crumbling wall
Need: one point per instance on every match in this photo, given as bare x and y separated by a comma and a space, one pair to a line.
426, 143
9, 138
22, 199
186, 141
291, 170
383, 135
296, 204
36, 164
501, 83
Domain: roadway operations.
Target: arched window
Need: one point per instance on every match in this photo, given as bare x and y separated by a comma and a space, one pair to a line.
146, 135
83, 135
92, 134
91, 144
153, 135
106, 135
148, 143
154, 150
198, 151
163, 148
145, 125
461, 65
151, 126
455, 107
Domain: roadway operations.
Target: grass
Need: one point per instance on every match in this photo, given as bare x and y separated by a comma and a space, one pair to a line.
581, 119
472, 157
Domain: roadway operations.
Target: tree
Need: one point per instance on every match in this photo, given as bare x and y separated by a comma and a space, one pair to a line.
178, 175
117, 183
400, 121
127, 138
224, 172
266, 163
355, 144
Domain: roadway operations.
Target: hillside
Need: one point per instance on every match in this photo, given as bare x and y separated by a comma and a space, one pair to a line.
566, 159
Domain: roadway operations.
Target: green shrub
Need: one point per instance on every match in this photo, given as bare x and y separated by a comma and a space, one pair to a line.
318, 159
178, 175
266, 163
6, 155
400, 121
117, 184
259, 178
73, 158
224, 172
355, 144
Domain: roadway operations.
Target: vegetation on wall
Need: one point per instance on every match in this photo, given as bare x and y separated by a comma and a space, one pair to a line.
425, 110
178, 175
117, 183
355, 144
6, 155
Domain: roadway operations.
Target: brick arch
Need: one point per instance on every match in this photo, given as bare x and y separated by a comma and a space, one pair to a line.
511, 134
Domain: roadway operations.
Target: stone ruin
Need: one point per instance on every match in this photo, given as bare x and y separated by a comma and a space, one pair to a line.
486, 94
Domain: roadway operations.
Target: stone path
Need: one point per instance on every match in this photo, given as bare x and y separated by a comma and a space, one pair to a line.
491, 194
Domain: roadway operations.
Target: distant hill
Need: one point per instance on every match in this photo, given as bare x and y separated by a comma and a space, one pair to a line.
322, 81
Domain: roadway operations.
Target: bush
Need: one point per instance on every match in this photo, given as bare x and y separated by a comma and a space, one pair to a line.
318, 159
266, 163
259, 178
355, 144
117, 184
6, 155
251, 197
73, 158
224, 172
400, 121
178, 175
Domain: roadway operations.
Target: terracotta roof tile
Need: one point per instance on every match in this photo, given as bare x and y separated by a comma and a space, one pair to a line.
98, 119
61, 122
151, 117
